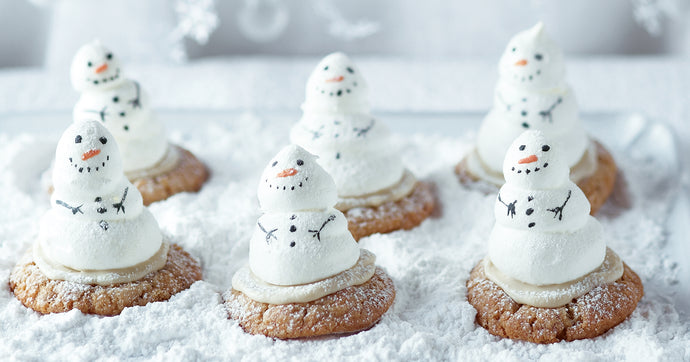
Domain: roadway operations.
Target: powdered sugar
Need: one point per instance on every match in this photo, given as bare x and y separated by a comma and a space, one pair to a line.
430, 319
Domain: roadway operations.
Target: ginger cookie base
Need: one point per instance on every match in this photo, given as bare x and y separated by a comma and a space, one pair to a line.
352, 309
405, 213
597, 186
188, 176
44, 295
587, 316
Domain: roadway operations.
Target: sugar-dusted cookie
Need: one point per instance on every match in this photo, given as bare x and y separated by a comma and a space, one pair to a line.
403, 214
306, 274
98, 248
375, 191
36, 291
532, 95
158, 169
586, 316
548, 275
355, 308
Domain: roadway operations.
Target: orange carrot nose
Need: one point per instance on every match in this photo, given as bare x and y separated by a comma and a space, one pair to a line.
90, 153
521, 62
287, 172
102, 68
335, 79
528, 159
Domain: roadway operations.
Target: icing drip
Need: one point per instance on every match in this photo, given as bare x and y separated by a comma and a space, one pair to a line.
257, 289
556, 295
57, 271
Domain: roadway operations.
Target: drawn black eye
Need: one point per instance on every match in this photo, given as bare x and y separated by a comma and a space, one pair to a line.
109, 56
514, 49
122, 114
325, 68
89, 64
522, 147
350, 70
274, 163
77, 139
538, 56
545, 148
103, 140
116, 99
300, 162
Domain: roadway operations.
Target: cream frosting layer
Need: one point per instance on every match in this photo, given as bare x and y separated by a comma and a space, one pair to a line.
301, 238
97, 220
391, 194
543, 232
257, 289
556, 295
531, 95
165, 165
56, 271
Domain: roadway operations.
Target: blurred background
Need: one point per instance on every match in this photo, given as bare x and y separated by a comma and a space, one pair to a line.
35, 33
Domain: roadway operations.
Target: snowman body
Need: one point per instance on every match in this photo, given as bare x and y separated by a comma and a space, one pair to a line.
336, 125
543, 233
301, 238
97, 220
123, 107
352, 148
301, 247
532, 95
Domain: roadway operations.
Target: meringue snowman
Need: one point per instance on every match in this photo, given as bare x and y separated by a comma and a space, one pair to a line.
301, 238
532, 95
543, 233
97, 221
353, 147
119, 104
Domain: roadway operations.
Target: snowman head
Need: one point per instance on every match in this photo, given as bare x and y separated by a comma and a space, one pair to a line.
532, 60
87, 159
532, 162
95, 67
293, 181
336, 85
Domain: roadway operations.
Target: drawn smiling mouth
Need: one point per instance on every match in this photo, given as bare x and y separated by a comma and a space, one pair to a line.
528, 171
105, 79
291, 187
86, 156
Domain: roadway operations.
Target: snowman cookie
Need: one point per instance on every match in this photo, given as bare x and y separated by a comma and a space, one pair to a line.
375, 191
158, 169
531, 94
306, 275
548, 275
98, 249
